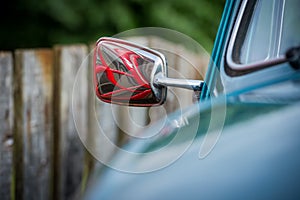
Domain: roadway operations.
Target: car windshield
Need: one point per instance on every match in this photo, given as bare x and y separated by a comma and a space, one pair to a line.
269, 33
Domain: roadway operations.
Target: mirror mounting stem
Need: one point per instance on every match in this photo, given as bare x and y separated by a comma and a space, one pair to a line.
160, 79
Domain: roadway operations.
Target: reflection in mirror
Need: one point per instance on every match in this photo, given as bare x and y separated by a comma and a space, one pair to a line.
123, 73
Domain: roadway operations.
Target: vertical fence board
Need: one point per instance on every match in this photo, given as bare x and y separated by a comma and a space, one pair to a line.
68, 149
6, 124
35, 135
89, 158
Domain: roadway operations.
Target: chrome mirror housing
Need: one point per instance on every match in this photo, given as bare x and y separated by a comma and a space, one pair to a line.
129, 74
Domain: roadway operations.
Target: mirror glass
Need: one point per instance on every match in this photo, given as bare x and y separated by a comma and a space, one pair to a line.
124, 73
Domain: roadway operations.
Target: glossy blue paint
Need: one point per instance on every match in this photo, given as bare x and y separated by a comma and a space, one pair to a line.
256, 158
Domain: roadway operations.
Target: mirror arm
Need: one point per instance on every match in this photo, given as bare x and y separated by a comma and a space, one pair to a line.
160, 79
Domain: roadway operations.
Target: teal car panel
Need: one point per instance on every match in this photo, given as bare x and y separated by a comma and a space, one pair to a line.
256, 157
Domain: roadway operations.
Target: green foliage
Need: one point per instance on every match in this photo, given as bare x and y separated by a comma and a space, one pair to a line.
35, 23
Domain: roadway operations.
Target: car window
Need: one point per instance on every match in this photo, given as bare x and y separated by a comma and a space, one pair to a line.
268, 32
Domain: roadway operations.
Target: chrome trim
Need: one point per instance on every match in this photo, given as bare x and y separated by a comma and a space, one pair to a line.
255, 65
161, 80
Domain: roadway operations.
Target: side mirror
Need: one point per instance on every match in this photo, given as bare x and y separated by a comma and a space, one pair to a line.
129, 74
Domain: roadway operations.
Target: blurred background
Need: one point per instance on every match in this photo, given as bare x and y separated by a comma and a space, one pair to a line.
35, 23
41, 155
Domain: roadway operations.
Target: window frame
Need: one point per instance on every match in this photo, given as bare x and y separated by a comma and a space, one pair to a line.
237, 39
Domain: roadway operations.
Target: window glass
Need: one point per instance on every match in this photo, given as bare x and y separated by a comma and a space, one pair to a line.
273, 28
291, 26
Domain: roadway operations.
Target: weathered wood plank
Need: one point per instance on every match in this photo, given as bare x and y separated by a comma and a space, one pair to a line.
102, 125
89, 128
34, 71
68, 149
6, 124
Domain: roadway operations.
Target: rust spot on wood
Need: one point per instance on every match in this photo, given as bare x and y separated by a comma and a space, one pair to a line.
45, 57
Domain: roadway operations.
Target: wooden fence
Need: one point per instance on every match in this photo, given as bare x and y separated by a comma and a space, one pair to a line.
42, 156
